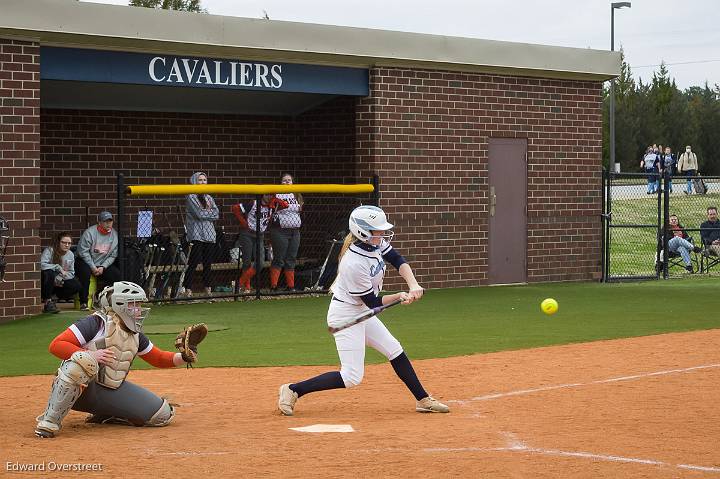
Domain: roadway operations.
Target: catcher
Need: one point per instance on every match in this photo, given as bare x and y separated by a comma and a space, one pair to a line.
97, 352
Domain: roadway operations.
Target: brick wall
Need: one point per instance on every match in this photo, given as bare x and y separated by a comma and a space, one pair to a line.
19, 174
426, 134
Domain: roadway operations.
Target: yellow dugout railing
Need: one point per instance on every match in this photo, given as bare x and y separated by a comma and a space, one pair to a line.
170, 190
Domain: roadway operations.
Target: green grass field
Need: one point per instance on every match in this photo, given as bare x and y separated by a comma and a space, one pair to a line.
447, 322
633, 250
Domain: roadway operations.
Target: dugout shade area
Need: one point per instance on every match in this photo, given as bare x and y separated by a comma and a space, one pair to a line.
488, 153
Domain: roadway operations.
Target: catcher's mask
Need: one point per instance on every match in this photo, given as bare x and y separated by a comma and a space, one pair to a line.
126, 300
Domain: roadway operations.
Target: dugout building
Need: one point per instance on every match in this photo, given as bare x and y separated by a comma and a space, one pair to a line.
488, 153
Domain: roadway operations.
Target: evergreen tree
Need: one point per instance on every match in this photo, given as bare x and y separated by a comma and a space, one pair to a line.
659, 113
181, 5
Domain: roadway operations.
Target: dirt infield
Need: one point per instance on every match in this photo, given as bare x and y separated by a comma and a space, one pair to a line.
643, 407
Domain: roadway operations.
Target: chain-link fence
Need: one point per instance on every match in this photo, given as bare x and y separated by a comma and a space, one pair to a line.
197, 246
647, 215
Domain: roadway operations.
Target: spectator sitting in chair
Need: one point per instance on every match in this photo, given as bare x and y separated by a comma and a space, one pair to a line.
710, 232
679, 242
57, 266
97, 250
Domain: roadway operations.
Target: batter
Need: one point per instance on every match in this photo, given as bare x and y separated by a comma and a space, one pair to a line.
356, 289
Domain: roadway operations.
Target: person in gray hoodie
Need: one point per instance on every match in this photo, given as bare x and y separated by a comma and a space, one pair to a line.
57, 266
200, 216
97, 251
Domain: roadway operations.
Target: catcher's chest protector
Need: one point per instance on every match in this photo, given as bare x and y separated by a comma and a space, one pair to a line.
125, 346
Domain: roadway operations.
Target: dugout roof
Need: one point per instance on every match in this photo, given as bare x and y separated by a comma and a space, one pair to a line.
73, 24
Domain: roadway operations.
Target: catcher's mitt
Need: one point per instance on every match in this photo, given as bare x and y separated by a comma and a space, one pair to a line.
186, 342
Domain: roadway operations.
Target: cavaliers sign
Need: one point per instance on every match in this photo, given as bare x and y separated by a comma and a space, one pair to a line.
193, 70
76, 64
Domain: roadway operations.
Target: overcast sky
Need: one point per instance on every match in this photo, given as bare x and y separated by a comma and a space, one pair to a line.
684, 34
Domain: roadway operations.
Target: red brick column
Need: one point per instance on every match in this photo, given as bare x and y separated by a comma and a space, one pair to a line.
19, 175
426, 134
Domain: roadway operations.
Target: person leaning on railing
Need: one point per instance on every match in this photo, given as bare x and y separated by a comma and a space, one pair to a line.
57, 267
251, 239
200, 216
285, 236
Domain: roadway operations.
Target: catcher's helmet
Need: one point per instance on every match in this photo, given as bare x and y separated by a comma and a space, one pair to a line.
366, 219
124, 298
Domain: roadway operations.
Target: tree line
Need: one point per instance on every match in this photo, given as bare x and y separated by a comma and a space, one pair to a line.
659, 113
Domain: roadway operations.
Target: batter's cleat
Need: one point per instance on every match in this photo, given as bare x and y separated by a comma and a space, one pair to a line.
430, 404
286, 400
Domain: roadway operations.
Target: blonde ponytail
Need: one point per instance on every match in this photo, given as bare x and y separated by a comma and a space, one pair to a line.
349, 239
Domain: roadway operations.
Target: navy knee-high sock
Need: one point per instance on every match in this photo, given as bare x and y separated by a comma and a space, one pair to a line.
325, 381
405, 371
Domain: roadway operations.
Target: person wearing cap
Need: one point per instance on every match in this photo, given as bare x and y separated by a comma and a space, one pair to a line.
97, 251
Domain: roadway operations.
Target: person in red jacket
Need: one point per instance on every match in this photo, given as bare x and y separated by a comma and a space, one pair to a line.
252, 240
97, 352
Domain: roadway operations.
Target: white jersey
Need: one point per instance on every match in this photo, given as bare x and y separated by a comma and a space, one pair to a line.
360, 272
289, 217
264, 217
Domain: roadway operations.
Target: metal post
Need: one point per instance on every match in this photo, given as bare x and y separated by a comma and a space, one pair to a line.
666, 221
613, 6
608, 220
603, 225
259, 246
119, 223
612, 91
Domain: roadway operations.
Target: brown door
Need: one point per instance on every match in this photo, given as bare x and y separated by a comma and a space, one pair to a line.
507, 244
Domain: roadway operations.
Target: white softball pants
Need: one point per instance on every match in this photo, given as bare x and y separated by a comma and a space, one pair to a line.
351, 342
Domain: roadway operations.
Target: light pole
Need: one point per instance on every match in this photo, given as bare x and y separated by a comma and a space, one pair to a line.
613, 6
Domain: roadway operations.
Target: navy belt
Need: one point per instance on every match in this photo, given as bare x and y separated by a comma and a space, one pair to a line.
335, 299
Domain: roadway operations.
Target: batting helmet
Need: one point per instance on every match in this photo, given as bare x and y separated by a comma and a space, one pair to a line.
366, 219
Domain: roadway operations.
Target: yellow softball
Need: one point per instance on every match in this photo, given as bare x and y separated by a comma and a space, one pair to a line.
549, 306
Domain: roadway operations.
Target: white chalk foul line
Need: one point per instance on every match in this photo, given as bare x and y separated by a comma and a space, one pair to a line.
515, 445
576, 385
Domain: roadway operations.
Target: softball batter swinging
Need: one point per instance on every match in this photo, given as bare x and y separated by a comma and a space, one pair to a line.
97, 352
357, 287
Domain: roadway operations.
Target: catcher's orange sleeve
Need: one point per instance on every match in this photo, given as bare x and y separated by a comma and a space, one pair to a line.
159, 358
64, 345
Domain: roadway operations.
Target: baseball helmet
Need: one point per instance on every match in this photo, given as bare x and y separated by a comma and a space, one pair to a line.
366, 219
124, 299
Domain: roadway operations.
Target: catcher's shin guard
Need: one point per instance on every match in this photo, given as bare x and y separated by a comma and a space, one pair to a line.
163, 416
66, 389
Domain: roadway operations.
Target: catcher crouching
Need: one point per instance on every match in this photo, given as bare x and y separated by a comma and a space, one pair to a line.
97, 352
